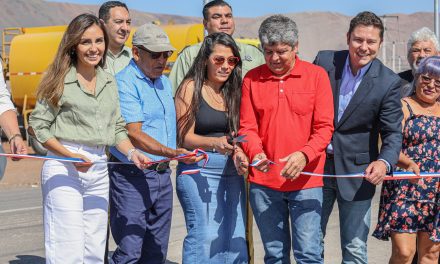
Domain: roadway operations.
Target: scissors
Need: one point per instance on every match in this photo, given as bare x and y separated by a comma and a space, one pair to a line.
238, 139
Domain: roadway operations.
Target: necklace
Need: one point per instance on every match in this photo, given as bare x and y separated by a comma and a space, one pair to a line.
429, 108
214, 96
89, 85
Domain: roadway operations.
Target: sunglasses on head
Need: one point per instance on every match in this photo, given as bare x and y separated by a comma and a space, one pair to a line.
157, 55
220, 60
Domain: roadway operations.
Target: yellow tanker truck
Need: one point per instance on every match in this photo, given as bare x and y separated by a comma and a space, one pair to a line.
29, 51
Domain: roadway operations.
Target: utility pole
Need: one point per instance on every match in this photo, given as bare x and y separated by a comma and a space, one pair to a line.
399, 68
384, 41
436, 21
394, 56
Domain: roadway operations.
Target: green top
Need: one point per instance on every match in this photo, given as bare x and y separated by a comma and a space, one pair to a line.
82, 117
250, 55
115, 63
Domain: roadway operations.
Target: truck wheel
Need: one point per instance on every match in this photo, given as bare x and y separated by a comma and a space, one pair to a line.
37, 147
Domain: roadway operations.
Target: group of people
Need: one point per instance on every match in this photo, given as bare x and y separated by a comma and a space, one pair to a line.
342, 114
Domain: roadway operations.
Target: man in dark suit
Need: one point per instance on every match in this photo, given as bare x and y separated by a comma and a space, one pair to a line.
367, 103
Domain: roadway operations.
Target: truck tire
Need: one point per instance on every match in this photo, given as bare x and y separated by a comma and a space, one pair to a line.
37, 147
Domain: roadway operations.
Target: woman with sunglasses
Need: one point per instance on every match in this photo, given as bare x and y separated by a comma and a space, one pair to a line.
213, 200
409, 209
77, 115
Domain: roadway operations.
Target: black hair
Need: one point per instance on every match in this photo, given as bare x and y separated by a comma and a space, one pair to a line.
367, 18
231, 88
214, 3
104, 10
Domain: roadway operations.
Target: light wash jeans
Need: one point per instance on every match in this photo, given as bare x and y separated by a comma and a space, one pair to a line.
213, 203
75, 208
272, 210
354, 223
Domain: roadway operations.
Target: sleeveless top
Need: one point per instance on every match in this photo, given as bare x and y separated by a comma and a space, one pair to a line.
210, 122
407, 207
421, 140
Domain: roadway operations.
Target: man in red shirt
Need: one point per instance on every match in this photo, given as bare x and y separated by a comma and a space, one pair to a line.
287, 115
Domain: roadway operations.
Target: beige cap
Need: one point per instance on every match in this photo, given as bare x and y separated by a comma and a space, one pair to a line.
152, 37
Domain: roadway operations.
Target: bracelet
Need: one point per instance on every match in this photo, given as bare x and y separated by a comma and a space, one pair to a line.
130, 153
14, 136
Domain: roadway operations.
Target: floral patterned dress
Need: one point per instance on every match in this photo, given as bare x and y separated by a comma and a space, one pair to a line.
406, 207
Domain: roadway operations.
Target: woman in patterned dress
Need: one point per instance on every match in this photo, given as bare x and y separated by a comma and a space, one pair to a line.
409, 209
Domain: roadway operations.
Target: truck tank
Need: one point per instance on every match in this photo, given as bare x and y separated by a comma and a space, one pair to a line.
31, 52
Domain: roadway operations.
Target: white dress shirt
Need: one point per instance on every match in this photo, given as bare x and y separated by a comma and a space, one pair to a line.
5, 96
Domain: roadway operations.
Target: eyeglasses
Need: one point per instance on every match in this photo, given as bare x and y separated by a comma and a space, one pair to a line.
220, 60
157, 55
425, 79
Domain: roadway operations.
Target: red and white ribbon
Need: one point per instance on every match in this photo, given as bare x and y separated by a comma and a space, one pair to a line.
196, 152
398, 175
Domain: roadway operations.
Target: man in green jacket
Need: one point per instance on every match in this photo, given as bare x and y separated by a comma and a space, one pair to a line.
217, 17
117, 22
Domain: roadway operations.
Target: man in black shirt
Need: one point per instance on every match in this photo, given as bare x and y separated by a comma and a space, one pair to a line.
421, 44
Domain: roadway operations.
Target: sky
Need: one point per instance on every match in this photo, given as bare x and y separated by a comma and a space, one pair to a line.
254, 8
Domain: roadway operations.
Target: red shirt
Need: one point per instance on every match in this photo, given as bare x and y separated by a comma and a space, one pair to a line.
284, 115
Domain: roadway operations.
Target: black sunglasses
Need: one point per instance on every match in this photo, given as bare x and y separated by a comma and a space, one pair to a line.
157, 55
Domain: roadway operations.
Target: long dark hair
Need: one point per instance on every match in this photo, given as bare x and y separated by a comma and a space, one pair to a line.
231, 89
51, 87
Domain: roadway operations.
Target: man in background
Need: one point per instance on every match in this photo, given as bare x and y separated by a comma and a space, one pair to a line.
217, 17
117, 23
421, 44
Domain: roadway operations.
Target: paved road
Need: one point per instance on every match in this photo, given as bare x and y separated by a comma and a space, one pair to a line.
21, 231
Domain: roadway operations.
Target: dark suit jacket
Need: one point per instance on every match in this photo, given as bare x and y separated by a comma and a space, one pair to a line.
375, 108
406, 76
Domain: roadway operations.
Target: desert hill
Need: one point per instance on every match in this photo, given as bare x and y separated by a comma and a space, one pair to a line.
318, 30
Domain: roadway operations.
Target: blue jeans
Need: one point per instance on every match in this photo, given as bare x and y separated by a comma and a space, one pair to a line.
213, 203
272, 210
354, 223
141, 205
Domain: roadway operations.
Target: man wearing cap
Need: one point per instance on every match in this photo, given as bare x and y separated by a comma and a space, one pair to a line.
117, 23
141, 201
217, 17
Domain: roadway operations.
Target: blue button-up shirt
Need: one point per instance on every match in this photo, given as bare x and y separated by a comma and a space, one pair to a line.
149, 102
349, 85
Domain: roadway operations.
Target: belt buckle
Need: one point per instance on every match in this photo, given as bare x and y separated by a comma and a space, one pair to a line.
162, 166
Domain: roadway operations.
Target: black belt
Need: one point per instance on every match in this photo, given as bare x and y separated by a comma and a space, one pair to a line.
159, 167
113, 158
